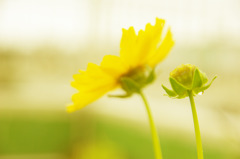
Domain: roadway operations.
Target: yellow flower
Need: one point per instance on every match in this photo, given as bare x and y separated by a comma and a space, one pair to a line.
137, 54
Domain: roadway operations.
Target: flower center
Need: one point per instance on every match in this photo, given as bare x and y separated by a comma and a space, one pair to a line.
136, 74
141, 76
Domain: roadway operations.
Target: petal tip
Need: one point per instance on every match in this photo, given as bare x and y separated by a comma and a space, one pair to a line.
159, 20
71, 108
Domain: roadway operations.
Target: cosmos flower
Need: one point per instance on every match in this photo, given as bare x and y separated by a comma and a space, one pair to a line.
139, 55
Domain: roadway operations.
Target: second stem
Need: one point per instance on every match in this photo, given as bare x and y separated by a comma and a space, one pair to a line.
196, 126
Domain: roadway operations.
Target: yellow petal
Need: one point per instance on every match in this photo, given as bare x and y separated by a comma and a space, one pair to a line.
114, 66
137, 49
162, 50
148, 40
128, 46
91, 84
84, 98
92, 73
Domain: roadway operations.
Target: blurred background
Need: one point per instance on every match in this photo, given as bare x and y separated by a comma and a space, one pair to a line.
44, 42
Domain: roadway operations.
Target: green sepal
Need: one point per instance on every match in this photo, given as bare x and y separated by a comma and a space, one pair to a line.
151, 77
204, 77
203, 88
177, 87
130, 86
120, 96
135, 81
169, 92
197, 79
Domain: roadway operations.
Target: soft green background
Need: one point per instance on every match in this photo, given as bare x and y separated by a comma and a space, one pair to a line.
89, 136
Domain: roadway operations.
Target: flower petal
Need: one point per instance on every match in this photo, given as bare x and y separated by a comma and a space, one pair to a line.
148, 40
83, 98
162, 50
91, 84
142, 49
128, 46
114, 66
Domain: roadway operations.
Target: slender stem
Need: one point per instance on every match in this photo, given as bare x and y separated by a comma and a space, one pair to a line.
196, 126
156, 144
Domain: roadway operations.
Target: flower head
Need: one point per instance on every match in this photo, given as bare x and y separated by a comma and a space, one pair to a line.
187, 77
132, 70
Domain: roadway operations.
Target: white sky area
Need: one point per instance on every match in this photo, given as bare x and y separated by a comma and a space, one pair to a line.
36, 21
73, 23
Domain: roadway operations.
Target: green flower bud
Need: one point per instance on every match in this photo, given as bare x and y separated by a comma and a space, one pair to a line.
187, 77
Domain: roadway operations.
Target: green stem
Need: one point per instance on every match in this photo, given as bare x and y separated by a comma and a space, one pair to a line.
156, 144
196, 126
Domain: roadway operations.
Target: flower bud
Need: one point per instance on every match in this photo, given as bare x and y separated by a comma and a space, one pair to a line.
187, 77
